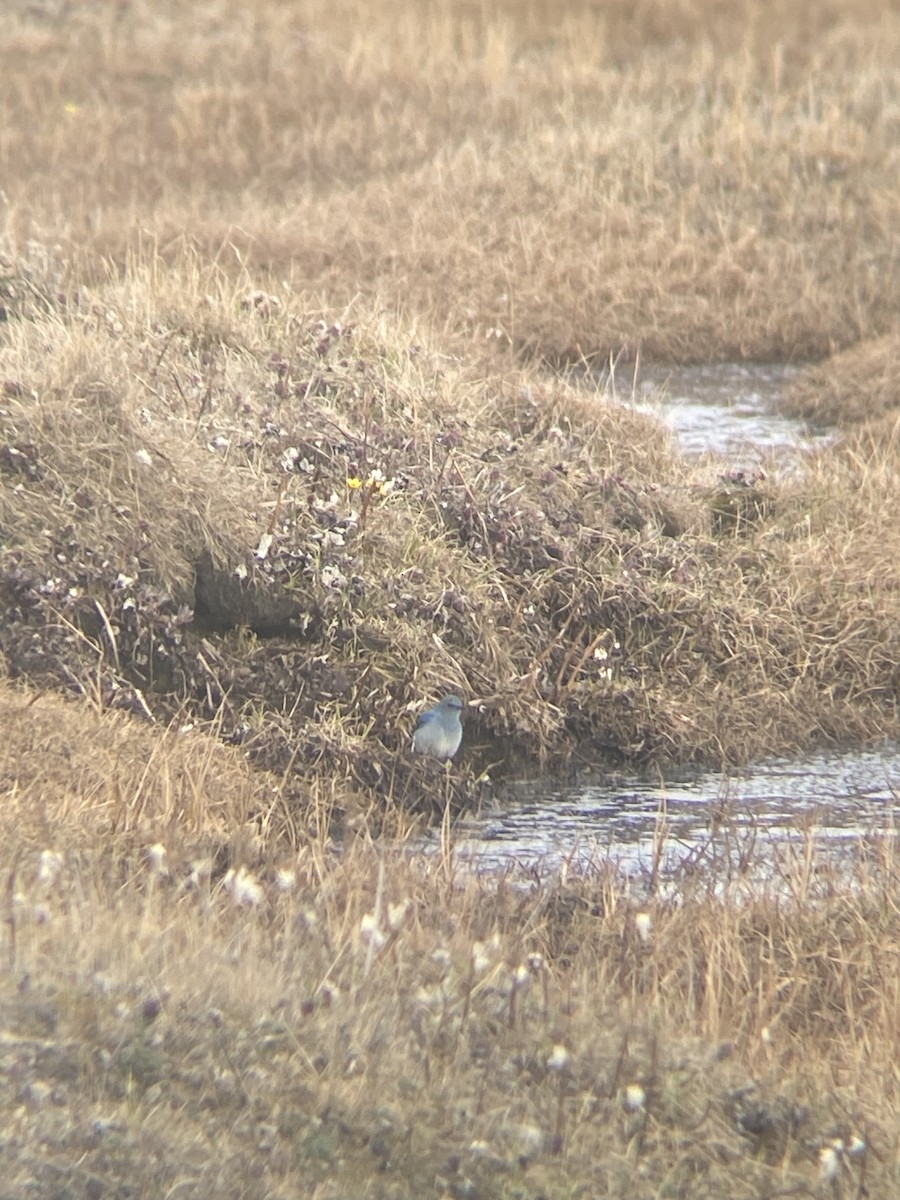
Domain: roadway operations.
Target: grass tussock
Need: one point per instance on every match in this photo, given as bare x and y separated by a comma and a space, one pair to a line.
217, 502
382, 520
851, 389
74, 775
381, 1025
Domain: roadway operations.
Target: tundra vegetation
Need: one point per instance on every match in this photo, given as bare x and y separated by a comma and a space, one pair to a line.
317, 334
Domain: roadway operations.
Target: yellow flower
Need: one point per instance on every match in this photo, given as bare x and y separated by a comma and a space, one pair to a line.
354, 483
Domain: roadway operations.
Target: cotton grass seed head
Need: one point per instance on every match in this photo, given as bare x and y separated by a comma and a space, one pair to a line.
482, 956
371, 932
529, 1138
430, 997
643, 925
49, 867
559, 1058
201, 869
396, 914
245, 889
156, 857
829, 1163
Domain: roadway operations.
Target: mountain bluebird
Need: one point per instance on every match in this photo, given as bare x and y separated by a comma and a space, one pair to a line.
439, 731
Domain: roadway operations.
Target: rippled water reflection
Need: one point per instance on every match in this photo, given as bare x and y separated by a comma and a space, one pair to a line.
730, 409
541, 826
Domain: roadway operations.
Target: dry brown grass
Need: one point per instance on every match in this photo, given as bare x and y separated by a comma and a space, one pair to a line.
256, 262
468, 179
372, 1024
856, 387
696, 180
75, 776
533, 545
179, 445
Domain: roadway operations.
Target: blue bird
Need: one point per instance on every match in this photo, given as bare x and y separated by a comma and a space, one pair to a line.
439, 731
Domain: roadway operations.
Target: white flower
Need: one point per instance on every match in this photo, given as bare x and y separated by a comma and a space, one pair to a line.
333, 578
635, 1097
643, 924
157, 857
49, 866
245, 890
559, 1058
286, 880
368, 927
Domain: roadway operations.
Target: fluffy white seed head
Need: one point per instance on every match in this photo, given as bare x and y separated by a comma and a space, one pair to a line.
559, 1058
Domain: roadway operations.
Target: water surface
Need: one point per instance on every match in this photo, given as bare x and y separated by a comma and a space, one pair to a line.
731, 410
772, 809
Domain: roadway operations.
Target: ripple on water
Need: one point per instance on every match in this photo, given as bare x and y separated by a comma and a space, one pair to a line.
731, 410
544, 826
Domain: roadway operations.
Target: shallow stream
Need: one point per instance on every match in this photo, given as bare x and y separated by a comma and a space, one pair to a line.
664, 826
730, 410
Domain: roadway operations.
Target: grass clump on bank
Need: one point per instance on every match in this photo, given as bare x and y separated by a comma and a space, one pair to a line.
855, 388
220, 504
